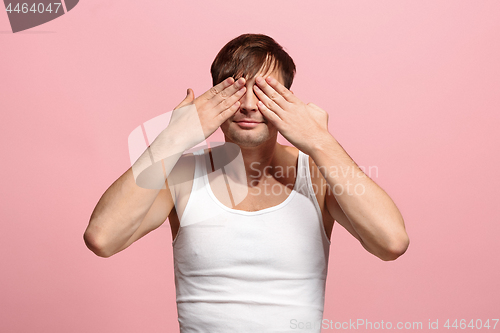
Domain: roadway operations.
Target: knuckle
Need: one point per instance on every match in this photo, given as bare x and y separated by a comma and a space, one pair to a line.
213, 91
225, 104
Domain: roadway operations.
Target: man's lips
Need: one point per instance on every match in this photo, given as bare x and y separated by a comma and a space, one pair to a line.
247, 123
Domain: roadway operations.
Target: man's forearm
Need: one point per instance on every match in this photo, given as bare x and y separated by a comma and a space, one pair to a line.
369, 209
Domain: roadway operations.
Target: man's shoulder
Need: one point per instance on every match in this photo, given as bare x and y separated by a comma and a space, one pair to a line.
291, 150
288, 155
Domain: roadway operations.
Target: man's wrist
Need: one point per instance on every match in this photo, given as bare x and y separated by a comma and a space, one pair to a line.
325, 144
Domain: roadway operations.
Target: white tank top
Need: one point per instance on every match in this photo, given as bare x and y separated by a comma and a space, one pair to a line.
260, 271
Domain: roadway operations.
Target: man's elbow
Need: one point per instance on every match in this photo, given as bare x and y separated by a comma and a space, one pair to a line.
95, 246
396, 249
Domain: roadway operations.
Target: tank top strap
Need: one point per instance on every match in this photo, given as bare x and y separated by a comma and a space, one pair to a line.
304, 183
198, 197
199, 179
301, 181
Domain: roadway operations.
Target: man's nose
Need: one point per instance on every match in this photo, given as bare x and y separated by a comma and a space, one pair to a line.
249, 101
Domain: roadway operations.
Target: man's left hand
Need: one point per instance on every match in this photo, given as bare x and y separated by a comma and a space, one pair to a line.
303, 125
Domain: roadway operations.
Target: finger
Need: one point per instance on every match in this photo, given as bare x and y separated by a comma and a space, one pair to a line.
270, 115
271, 82
229, 101
228, 94
188, 100
288, 95
228, 112
217, 88
269, 91
268, 102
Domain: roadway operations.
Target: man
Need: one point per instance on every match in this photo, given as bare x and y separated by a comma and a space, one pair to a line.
255, 262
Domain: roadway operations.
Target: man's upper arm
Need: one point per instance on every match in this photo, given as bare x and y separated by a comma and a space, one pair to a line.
157, 214
175, 194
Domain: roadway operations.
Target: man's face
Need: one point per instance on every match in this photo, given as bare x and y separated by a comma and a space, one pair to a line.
247, 127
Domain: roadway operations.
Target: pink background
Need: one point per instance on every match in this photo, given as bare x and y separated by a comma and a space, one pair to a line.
412, 88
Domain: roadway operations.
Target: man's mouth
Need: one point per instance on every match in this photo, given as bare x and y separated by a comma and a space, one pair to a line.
248, 123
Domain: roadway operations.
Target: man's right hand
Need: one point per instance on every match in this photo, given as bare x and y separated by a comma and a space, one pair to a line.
213, 108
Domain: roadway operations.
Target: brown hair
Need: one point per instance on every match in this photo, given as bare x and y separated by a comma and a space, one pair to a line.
245, 55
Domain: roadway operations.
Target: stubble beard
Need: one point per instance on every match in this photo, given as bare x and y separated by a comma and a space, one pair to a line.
247, 138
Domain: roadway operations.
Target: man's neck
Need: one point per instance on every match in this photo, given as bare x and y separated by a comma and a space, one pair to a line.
260, 160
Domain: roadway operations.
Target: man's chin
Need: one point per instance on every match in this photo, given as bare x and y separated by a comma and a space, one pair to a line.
247, 138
